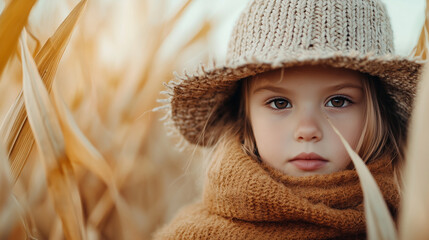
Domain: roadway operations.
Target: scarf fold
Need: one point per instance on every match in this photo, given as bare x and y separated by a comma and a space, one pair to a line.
244, 199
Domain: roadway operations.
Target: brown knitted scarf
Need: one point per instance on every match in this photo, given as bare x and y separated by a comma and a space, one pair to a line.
244, 199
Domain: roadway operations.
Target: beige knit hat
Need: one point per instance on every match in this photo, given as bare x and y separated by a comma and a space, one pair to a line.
272, 34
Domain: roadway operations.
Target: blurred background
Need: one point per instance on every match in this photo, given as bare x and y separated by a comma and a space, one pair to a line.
107, 83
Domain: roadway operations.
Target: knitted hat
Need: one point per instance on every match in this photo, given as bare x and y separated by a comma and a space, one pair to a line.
272, 34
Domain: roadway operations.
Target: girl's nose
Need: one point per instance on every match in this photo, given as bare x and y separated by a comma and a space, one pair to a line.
307, 128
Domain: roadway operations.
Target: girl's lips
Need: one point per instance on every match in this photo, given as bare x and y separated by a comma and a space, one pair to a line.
308, 165
308, 161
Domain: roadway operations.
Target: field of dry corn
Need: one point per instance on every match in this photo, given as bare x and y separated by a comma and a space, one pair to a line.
82, 153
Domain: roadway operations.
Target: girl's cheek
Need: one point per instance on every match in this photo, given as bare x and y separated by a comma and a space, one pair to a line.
351, 127
269, 131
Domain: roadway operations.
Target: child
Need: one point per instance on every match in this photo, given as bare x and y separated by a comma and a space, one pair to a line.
278, 170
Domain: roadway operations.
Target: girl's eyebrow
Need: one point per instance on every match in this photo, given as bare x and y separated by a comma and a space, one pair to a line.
271, 88
284, 90
345, 85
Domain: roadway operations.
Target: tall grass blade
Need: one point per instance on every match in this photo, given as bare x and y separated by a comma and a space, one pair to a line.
16, 134
170, 24
414, 214
421, 50
414, 217
202, 32
78, 148
7, 208
15, 131
82, 152
5, 178
50, 55
379, 223
12, 21
159, 34
61, 180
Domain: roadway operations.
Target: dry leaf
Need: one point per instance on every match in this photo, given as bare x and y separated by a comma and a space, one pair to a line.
12, 21
15, 130
7, 208
169, 26
82, 152
134, 198
131, 91
379, 222
202, 32
78, 147
414, 217
421, 50
47, 133
414, 211
5, 178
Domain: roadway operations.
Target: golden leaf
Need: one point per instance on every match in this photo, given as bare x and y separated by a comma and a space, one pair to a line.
379, 223
414, 217
15, 131
7, 209
47, 133
12, 21
82, 152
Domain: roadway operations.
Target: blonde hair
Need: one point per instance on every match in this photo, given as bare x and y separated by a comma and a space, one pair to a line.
383, 134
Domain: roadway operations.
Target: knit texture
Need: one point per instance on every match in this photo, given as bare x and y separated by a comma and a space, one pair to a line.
244, 199
271, 34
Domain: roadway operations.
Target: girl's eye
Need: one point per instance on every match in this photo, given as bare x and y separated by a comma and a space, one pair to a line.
338, 102
279, 103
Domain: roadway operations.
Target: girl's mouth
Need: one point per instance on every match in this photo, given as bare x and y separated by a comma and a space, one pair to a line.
308, 161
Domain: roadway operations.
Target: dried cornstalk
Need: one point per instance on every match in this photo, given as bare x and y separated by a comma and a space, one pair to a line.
82, 152
61, 180
421, 50
12, 20
14, 130
379, 222
414, 214
147, 90
7, 208
109, 143
129, 92
414, 217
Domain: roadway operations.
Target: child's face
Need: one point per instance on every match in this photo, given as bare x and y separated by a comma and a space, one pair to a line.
288, 118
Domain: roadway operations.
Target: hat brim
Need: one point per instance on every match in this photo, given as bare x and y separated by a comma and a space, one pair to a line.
198, 99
